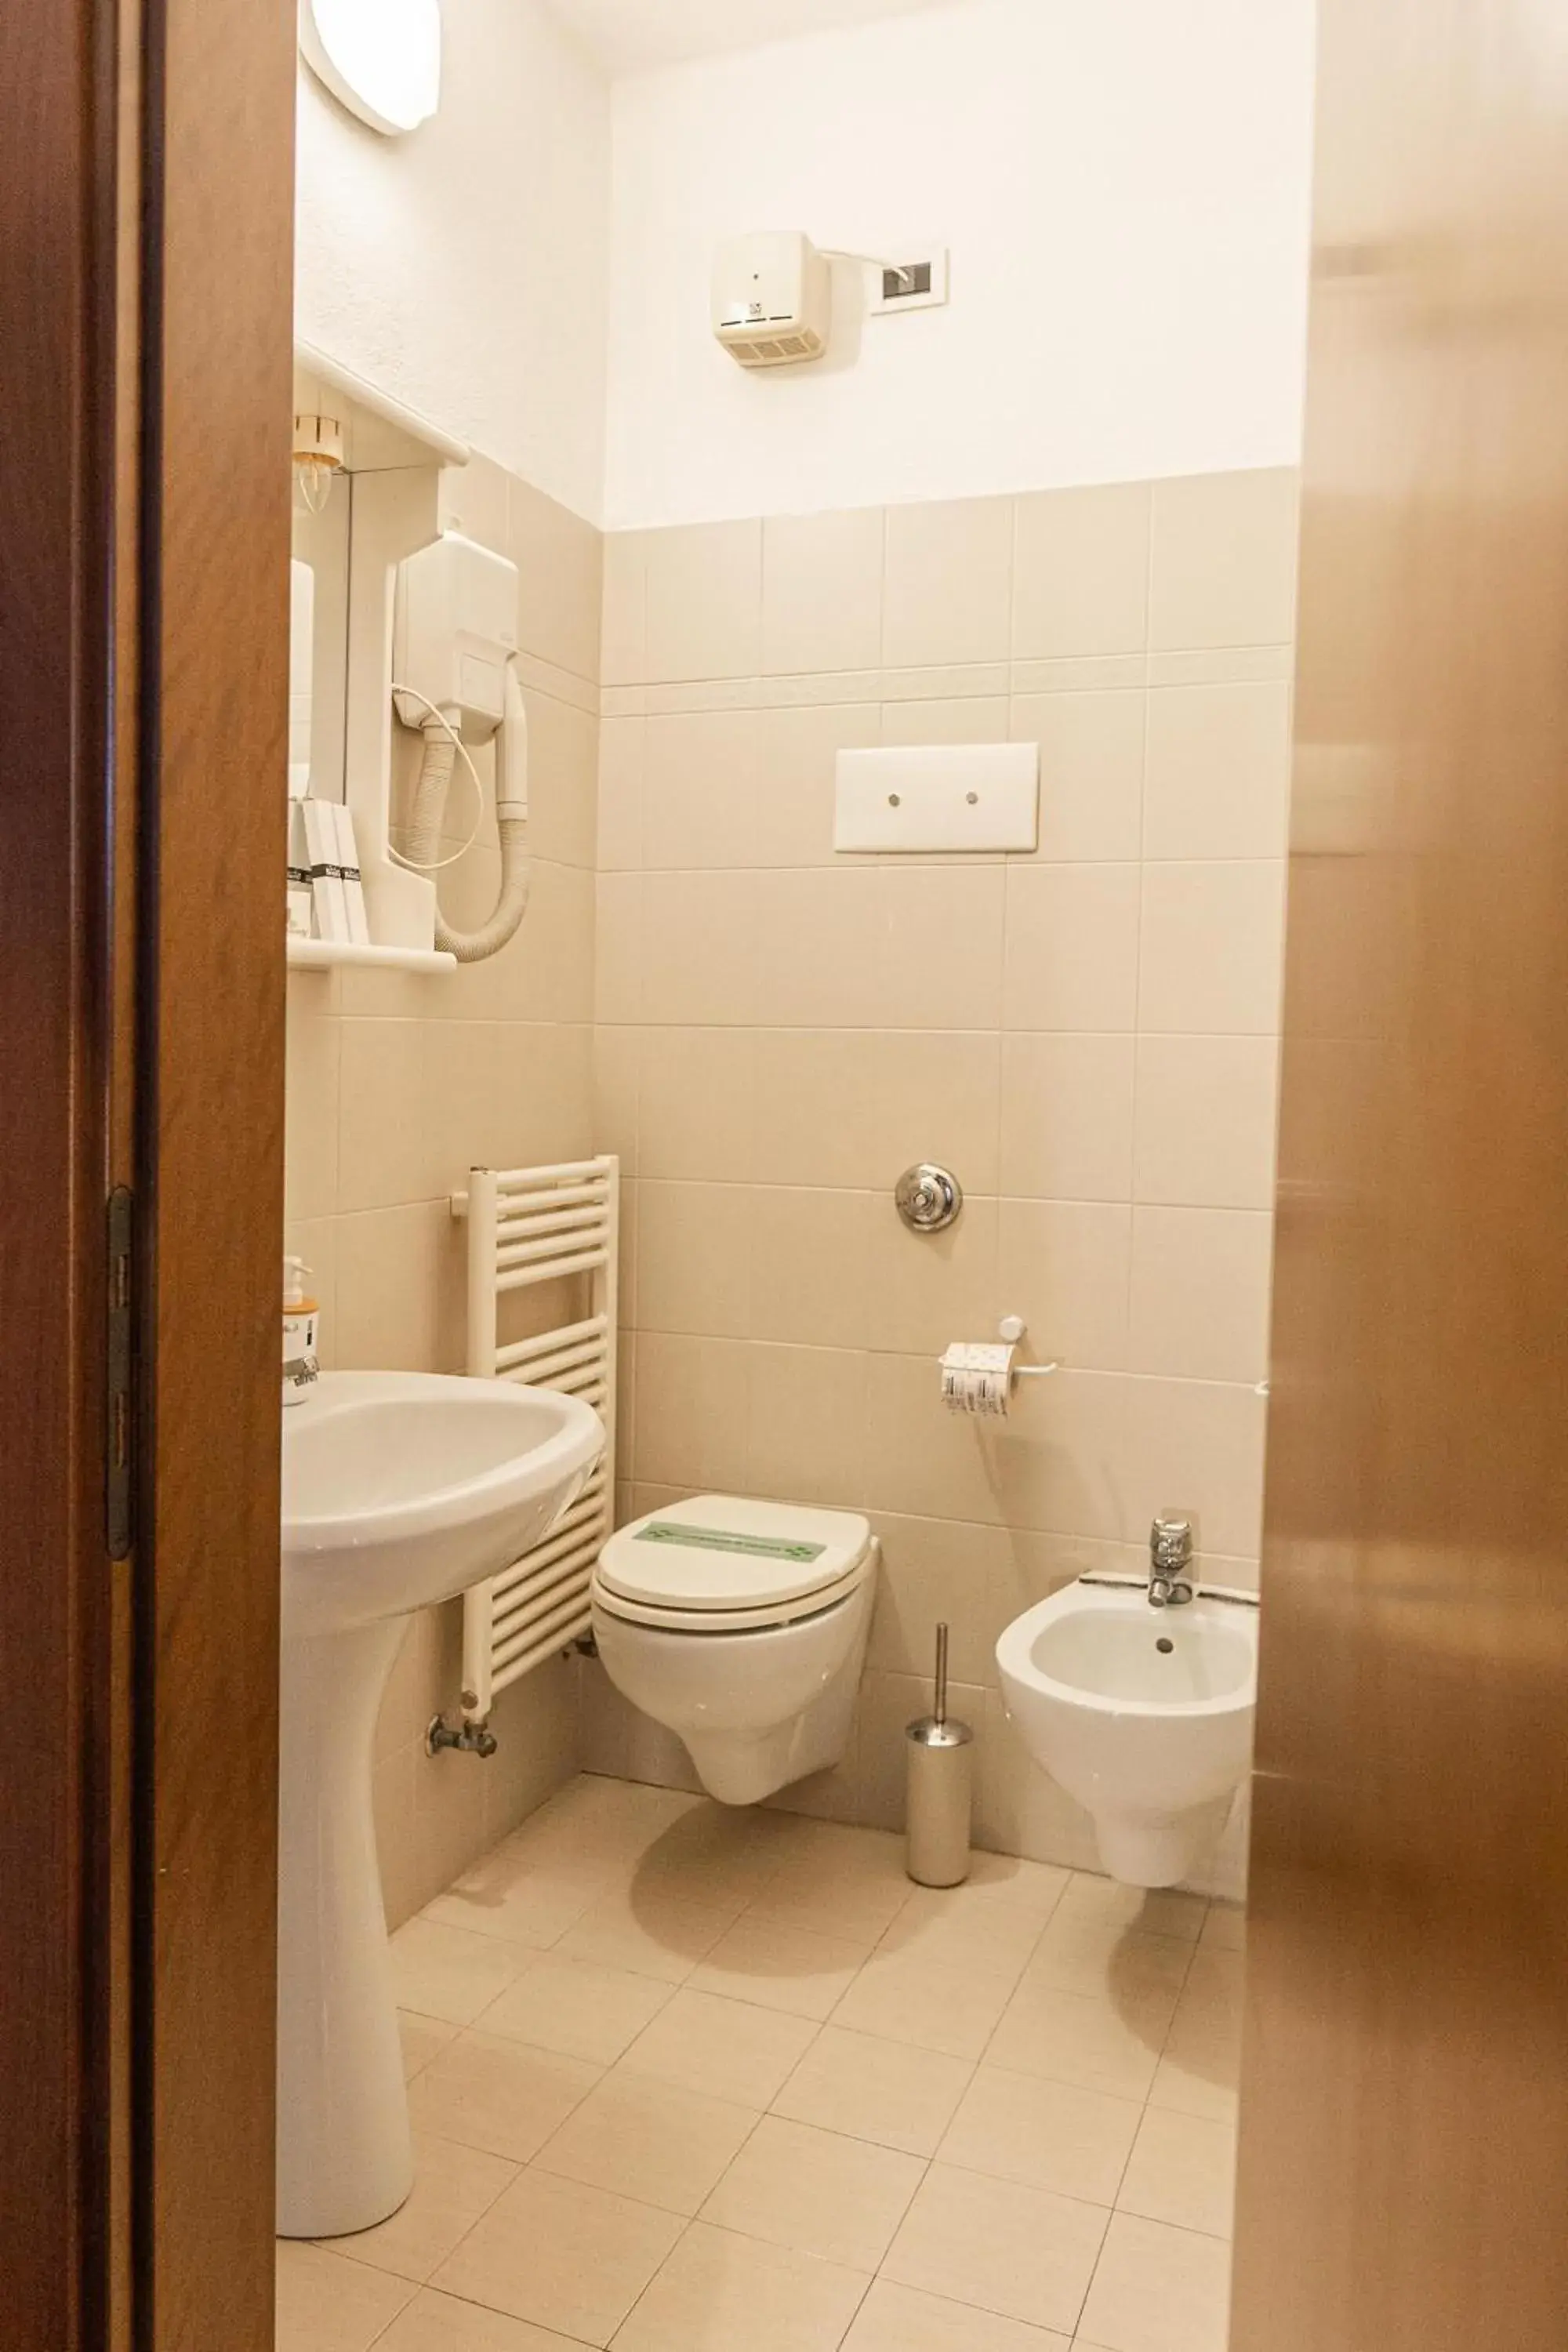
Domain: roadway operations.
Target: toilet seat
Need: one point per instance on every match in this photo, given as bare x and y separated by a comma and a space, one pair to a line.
727, 1564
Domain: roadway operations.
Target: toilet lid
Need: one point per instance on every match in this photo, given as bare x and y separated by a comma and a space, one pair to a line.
721, 1551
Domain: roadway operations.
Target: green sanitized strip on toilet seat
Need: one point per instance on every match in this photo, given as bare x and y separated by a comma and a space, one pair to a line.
666, 1531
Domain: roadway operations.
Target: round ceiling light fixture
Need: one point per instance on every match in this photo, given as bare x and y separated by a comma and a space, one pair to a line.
381, 58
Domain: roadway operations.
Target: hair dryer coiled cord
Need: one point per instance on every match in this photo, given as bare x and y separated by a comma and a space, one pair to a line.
442, 746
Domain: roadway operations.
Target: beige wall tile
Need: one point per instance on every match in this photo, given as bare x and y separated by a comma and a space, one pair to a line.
807, 1409
821, 592
1200, 1441
1082, 582
939, 947
620, 793
1091, 771
694, 1259
563, 770
1223, 560
401, 1289
1211, 948
818, 965
1019, 2252
694, 1411
808, 1266
472, 499
798, 748
975, 718
934, 1568
698, 959
1205, 1117
701, 789
1067, 1118
1071, 946
312, 1103
919, 1458
815, 1105
617, 1077
696, 1110
1218, 777
1060, 1461
623, 638
934, 1094
1063, 1267
1200, 1293
949, 582
922, 1290
704, 601
618, 943
560, 563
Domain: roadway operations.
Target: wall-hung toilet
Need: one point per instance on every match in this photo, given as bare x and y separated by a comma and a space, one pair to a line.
741, 1627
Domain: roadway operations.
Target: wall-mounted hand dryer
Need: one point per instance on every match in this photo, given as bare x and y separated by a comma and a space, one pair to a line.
772, 299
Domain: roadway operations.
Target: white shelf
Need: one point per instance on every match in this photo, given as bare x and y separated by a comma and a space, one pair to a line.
320, 955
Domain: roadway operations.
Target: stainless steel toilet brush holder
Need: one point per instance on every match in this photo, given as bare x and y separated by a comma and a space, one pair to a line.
941, 1756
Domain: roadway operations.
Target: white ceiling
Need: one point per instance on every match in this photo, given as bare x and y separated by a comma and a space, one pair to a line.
627, 35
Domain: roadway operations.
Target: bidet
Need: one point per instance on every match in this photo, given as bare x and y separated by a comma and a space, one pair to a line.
1141, 1711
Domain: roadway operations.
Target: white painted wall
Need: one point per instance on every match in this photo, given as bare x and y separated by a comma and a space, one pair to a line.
1124, 184
464, 268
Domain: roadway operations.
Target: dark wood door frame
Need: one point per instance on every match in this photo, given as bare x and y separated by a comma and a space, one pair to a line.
145, 301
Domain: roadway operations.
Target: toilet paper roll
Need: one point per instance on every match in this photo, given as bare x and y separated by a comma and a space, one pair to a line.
977, 1378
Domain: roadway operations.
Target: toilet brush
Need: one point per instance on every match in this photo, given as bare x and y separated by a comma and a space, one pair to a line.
941, 1761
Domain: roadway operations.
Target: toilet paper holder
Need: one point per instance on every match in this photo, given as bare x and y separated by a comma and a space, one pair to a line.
980, 1379
1012, 1329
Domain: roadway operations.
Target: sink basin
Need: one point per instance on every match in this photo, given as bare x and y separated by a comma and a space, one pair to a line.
399, 1489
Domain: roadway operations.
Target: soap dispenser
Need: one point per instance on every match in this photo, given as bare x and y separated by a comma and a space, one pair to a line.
301, 1315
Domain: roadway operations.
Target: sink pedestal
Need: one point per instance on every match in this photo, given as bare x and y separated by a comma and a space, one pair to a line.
345, 2159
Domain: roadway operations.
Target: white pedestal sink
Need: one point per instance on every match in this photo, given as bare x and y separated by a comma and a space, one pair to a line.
399, 1489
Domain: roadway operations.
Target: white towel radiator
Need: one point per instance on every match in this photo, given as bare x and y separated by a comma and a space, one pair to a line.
529, 1226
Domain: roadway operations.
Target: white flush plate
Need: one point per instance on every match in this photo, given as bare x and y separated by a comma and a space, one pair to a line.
940, 796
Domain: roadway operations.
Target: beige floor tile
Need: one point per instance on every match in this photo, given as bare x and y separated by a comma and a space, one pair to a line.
446, 1973
1218, 1981
721, 2293
1018, 2251
1143, 1911
439, 2323
995, 1919
817, 2191
1158, 2290
1048, 2135
421, 2038
713, 1857
649, 1931
723, 2049
648, 2139
1085, 1956
328, 2304
849, 1883
904, 2319
781, 1967
498, 2095
1090, 2039
511, 1896
1200, 2066
453, 2185
890, 2092
566, 2257
577, 2007
1224, 1929
898, 1997
1182, 2170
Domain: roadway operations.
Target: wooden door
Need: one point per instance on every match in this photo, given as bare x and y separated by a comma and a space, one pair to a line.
1404, 2157
145, 274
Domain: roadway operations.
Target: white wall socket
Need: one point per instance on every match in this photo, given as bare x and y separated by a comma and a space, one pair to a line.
929, 265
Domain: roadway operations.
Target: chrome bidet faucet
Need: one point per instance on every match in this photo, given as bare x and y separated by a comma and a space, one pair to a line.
1170, 1564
